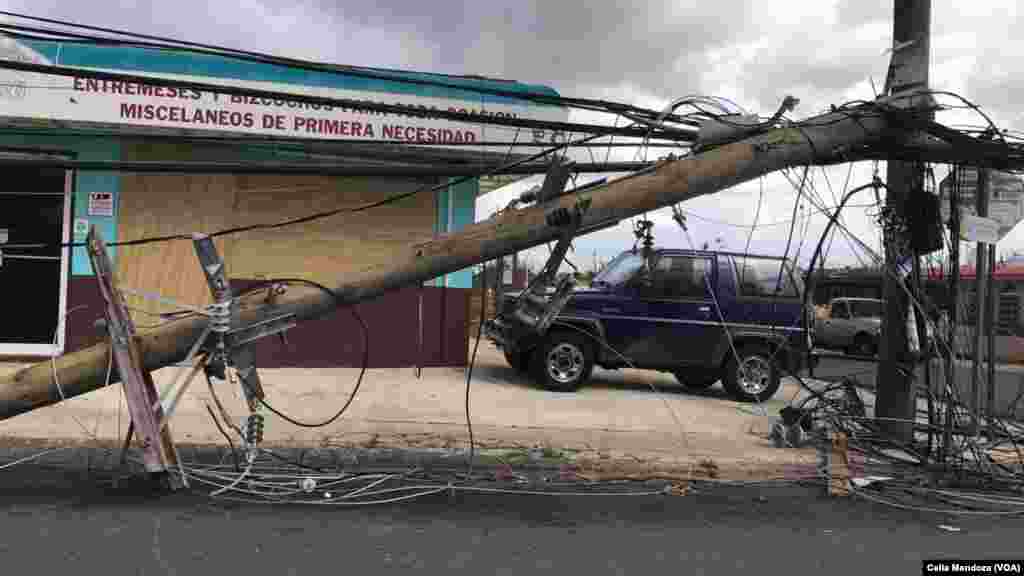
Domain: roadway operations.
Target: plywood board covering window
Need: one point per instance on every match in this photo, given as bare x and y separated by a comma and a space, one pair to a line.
166, 204
322, 250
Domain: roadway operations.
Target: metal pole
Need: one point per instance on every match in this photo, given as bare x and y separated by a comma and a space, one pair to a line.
981, 275
954, 304
992, 322
499, 285
922, 339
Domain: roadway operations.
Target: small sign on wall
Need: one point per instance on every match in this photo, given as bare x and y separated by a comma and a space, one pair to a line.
977, 229
101, 204
81, 227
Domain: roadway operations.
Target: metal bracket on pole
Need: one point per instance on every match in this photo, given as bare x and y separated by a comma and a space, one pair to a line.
554, 182
232, 344
159, 454
172, 394
238, 337
224, 310
536, 308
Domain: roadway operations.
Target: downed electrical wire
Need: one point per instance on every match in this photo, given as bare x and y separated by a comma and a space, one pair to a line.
272, 480
922, 473
954, 461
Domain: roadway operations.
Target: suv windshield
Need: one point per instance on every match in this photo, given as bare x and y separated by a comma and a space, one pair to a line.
760, 277
620, 269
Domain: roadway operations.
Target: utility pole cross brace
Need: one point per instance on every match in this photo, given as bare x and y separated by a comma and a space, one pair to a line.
159, 455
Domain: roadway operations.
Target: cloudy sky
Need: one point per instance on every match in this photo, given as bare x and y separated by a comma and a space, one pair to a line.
821, 51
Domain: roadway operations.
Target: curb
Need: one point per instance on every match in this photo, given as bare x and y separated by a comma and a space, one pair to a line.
104, 456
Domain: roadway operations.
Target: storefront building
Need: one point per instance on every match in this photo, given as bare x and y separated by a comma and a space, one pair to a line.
44, 116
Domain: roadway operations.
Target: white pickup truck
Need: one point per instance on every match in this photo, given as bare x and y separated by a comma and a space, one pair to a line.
850, 324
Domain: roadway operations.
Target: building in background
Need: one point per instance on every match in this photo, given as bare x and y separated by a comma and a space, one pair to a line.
86, 119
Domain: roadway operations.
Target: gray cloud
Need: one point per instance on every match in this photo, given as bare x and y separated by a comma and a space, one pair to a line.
571, 45
643, 52
301, 28
856, 13
992, 79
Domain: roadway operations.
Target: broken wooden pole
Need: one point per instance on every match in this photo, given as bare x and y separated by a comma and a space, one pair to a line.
818, 140
839, 466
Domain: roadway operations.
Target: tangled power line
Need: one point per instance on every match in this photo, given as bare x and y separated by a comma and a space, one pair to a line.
945, 467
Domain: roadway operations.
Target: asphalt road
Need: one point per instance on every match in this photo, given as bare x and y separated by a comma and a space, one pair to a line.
63, 517
57, 520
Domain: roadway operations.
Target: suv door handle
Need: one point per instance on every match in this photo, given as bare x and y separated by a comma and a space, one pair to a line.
704, 309
611, 309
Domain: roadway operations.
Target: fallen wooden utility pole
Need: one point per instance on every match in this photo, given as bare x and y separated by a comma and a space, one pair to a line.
818, 140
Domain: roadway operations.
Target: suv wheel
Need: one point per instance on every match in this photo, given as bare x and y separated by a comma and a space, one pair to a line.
696, 379
563, 362
752, 377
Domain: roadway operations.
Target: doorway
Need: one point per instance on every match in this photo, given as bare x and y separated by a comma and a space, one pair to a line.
35, 211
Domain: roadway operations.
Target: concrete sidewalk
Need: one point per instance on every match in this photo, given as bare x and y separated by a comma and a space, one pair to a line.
637, 417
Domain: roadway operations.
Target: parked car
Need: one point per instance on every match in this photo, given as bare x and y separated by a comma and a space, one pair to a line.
851, 324
704, 316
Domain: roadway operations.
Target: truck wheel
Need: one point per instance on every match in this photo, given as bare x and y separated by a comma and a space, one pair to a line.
864, 345
563, 362
518, 360
753, 377
696, 379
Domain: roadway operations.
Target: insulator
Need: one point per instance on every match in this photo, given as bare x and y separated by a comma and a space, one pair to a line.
220, 317
254, 429
308, 485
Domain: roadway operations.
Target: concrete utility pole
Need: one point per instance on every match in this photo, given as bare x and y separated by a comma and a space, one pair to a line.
826, 138
908, 73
